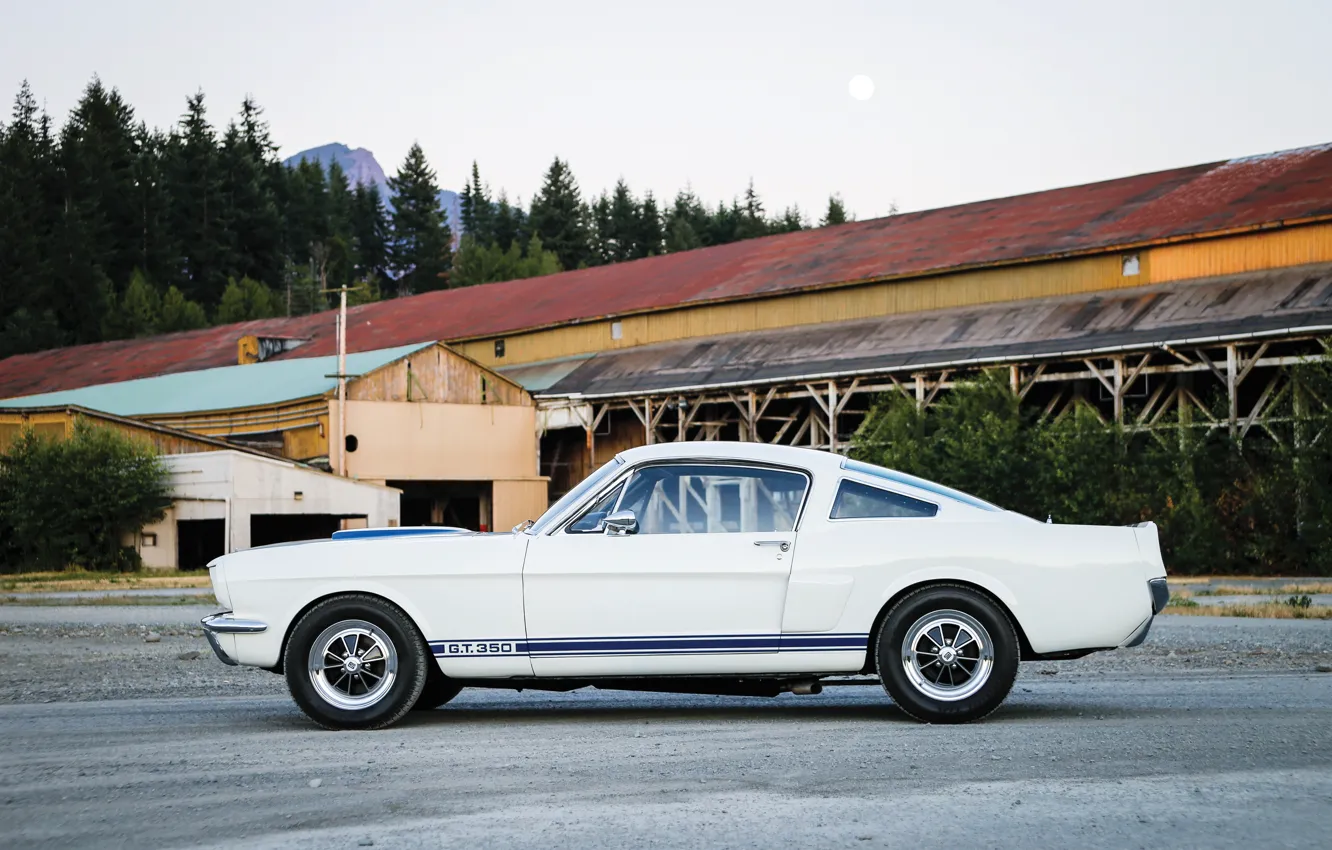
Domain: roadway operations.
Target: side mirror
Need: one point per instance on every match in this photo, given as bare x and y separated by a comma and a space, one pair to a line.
620, 523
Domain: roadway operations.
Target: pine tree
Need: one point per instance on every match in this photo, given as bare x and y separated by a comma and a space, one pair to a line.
370, 235
625, 223
560, 217
98, 154
245, 300
649, 237
477, 209
137, 313
30, 201
421, 241
510, 223
687, 223
195, 182
836, 213
750, 221
179, 313
337, 246
245, 161
603, 240
790, 221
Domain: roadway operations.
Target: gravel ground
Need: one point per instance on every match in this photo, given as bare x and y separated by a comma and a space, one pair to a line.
65, 654
1217, 734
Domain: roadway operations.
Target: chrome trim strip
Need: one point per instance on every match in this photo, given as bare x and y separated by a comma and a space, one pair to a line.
218, 651
224, 623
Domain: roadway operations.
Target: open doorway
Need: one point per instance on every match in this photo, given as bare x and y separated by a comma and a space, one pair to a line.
463, 504
199, 541
286, 528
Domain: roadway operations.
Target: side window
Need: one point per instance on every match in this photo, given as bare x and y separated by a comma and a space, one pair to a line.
590, 521
861, 501
712, 499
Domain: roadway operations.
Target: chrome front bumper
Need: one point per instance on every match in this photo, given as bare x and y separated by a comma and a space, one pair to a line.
225, 624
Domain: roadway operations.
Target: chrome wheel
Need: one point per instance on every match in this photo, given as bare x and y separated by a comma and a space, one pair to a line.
353, 664
947, 655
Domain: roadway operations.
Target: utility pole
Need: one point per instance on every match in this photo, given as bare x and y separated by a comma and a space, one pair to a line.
342, 366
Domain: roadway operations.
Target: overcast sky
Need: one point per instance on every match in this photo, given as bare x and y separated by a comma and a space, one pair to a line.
972, 99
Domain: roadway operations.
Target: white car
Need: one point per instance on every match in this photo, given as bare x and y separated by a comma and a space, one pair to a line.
702, 567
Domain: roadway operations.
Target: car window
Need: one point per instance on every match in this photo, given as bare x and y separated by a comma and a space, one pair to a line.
590, 521
574, 496
714, 498
861, 501
919, 483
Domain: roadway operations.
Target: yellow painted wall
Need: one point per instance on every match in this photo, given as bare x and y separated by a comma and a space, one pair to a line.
517, 500
399, 441
1159, 264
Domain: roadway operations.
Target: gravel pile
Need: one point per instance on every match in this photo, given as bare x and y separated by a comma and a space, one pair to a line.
118, 654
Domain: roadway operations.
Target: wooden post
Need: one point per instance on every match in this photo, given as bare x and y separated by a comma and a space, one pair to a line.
1232, 387
1119, 390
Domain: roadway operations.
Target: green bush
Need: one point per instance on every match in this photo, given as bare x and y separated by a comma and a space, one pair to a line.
1261, 506
68, 503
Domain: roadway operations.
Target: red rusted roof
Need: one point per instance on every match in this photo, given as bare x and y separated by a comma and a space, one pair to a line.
1247, 192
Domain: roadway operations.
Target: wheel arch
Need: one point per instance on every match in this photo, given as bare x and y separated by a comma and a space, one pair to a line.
871, 657
305, 609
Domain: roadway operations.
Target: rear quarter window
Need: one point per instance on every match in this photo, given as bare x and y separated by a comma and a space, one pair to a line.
861, 501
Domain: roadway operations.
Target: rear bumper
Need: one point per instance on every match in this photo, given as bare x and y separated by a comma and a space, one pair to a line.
1160, 593
225, 624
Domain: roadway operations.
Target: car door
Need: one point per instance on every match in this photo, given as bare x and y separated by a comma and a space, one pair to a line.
698, 587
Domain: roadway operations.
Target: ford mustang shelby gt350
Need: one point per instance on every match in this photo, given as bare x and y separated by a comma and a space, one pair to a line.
707, 567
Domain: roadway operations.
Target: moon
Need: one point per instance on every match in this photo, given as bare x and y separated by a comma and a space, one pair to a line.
861, 87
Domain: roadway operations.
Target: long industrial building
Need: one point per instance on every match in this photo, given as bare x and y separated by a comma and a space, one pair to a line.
1179, 297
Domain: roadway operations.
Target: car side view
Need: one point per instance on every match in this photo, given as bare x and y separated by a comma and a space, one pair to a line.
708, 567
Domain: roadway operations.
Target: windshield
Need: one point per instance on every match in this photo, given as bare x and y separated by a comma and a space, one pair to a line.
918, 483
574, 496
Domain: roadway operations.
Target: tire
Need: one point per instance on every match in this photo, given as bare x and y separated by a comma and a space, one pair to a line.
371, 692
930, 679
438, 690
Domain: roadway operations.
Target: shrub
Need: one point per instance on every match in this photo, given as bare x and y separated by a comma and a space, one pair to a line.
1263, 505
70, 502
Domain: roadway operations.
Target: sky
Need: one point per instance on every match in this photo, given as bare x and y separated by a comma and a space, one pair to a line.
972, 100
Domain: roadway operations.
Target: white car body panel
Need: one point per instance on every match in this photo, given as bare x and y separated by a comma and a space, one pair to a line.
552, 604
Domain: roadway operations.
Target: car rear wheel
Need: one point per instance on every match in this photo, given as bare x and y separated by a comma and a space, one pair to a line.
355, 662
947, 654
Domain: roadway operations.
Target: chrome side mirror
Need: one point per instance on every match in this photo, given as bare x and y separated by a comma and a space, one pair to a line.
620, 523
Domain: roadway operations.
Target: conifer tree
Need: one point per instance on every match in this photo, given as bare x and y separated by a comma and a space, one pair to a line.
179, 313
196, 187
29, 211
420, 246
477, 209
649, 238
370, 234
246, 299
510, 223
560, 217
625, 223
254, 221
836, 213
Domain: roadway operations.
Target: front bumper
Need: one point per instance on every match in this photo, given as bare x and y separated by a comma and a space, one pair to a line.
225, 624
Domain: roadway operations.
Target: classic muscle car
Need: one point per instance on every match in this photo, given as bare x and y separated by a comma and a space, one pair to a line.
704, 567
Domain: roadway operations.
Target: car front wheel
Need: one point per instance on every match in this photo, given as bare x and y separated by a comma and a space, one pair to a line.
355, 662
947, 654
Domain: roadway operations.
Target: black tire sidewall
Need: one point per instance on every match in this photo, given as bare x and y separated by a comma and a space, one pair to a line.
917, 604
412, 660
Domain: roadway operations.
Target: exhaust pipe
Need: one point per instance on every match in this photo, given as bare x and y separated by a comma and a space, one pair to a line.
810, 687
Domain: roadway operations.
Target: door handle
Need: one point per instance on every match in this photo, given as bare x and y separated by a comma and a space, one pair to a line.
781, 544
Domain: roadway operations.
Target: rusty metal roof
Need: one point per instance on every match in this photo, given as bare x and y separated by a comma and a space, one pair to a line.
1252, 304
1286, 187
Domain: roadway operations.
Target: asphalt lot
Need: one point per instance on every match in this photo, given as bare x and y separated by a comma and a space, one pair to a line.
1216, 734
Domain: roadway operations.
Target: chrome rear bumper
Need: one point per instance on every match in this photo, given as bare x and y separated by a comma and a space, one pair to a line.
225, 624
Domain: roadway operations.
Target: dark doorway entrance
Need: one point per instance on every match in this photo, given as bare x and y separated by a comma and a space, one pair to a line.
285, 528
464, 504
199, 541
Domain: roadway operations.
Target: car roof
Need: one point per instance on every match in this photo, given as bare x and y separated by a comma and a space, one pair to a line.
812, 459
